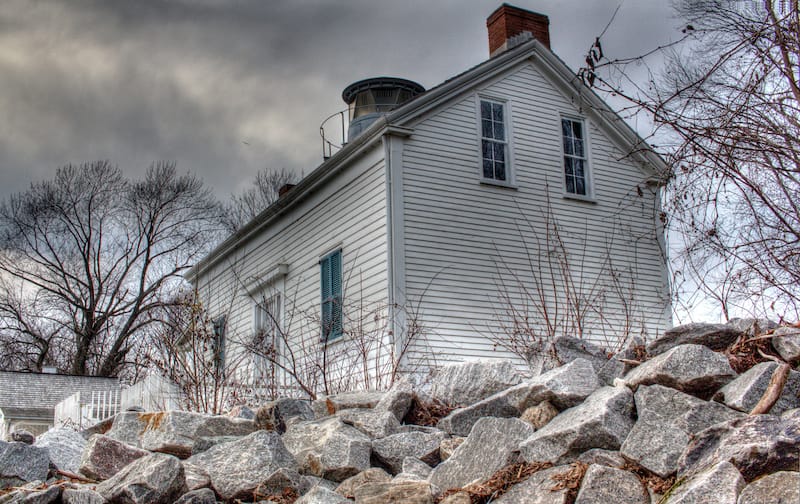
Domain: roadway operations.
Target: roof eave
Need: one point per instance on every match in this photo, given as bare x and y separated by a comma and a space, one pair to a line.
297, 193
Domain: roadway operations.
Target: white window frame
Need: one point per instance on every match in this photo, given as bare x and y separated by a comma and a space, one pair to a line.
586, 157
510, 179
270, 302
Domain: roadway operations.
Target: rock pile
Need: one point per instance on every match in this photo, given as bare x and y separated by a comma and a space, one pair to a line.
675, 429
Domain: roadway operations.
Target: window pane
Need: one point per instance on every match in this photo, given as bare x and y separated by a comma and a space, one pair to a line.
497, 112
500, 152
580, 186
568, 146
568, 168
578, 164
570, 184
499, 131
486, 128
578, 147
499, 170
565, 128
488, 168
487, 149
486, 108
577, 130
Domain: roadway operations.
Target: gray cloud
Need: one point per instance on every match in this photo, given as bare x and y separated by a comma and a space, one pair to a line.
227, 87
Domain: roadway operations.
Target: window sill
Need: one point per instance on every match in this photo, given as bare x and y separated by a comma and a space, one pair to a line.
580, 197
498, 183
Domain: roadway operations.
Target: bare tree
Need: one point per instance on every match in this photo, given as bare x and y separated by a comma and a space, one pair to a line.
190, 350
726, 109
262, 193
87, 258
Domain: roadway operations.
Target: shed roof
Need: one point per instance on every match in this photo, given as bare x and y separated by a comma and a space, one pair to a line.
24, 391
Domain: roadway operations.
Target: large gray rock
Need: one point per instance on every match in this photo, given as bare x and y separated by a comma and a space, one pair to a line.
65, 447
174, 432
782, 487
391, 450
348, 400
609, 458
104, 457
603, 420
348, 487
277, 415
373, 423
400, 492
786, 340
485, 450
465, 383
416, 467
567, 349
199, 496
155, 479
606, 485
756, 445
196, 476
21, 463
540, 415
667, 421
81, 496
397, 399
322, 495
51, 495
328, 448
746, 390
694, 369
563, 387
537, 489
713, 336
717, 484
258, 462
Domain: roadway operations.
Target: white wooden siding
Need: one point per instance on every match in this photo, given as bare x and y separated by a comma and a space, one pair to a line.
349, 213
459, 233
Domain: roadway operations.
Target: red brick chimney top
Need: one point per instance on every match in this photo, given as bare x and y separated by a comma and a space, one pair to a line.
508, 22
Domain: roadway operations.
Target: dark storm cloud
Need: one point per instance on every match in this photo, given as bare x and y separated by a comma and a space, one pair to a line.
227, 87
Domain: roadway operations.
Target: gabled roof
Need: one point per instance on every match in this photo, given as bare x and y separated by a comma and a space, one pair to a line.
36, 391
398, 121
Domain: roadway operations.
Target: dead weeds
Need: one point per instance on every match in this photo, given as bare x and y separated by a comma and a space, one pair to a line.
499, 482
652, 481
426, 413
570, 480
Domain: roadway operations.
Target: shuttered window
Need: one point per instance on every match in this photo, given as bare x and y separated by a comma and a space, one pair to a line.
331, 283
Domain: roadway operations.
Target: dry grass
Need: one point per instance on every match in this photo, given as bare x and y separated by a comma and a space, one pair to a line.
427, 413
570, 480
498, 483
652, 481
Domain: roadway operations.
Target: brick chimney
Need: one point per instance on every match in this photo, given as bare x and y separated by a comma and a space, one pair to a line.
510, 26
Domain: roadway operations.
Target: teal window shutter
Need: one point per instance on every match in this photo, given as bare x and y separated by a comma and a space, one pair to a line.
331, 287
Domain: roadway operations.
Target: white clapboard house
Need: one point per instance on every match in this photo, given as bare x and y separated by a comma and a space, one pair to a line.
473, 220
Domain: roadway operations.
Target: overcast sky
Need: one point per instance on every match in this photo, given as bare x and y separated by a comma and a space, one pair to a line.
228, 87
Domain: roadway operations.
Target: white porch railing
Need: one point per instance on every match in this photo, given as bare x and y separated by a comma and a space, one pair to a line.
73, 412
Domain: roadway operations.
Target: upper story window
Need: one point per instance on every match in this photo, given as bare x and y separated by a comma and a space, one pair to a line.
331, 283
575, 164
494, 141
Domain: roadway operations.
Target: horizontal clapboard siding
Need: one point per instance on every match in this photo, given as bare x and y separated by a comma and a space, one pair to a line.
466, 243
349, 213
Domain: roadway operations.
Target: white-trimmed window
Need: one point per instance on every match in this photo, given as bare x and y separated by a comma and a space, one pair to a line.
267, 339
576, 179
495, 159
